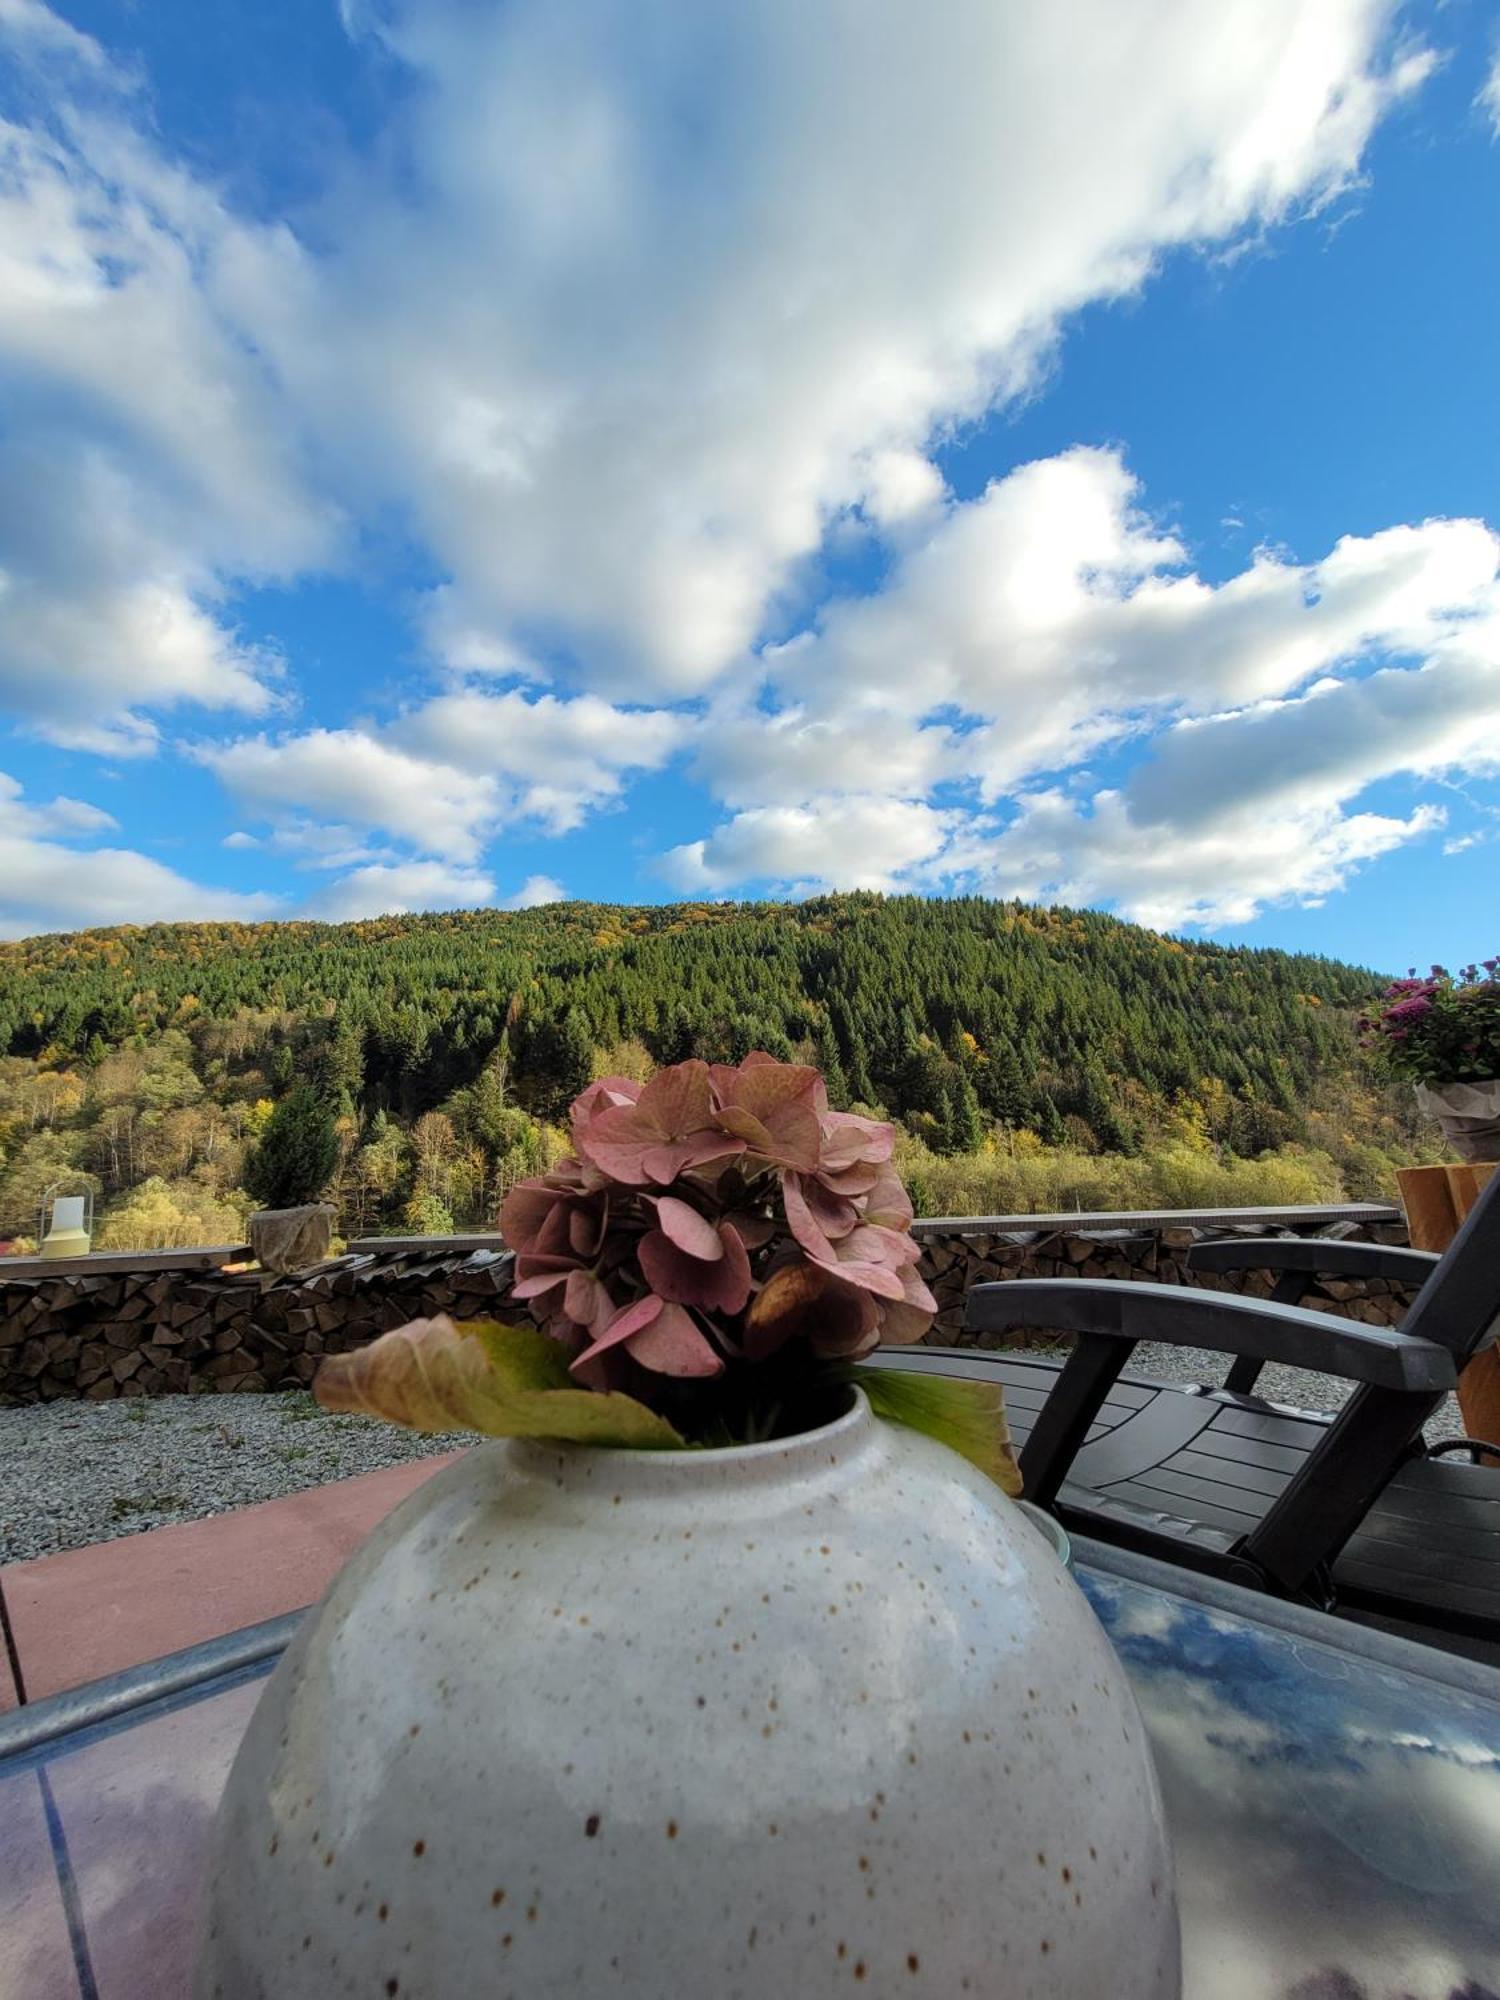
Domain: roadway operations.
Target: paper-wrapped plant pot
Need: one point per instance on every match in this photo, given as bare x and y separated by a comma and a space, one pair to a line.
820, 1716
1468, 1114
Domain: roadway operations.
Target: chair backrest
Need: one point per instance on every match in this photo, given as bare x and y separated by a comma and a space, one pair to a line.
1459, 1306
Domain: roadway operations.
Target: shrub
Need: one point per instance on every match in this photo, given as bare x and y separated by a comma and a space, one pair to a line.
1442, 1029
297, 1154
172, 1215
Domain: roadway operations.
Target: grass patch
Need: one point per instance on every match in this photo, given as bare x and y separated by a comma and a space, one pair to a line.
125, 1504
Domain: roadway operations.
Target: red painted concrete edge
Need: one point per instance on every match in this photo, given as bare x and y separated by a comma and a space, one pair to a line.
10, 1694
97, 1610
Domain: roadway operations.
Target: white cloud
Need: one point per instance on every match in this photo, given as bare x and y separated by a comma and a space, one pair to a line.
46, 885
535, 891
239, 838
34, 31
386, 889
358, 777
315, 845
148, 458
1221, 871
1249, 808
839, 843
709, 298
1327, 746
1025, 632
1057, 614
556, 760
98, 619
446, 775
1489, 95
675, 347
1228, 814
69, 816
784, 758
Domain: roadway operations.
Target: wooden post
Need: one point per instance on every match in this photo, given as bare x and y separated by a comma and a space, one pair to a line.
1436, 1200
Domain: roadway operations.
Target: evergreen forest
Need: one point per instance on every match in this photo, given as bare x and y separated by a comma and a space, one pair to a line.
409, 1068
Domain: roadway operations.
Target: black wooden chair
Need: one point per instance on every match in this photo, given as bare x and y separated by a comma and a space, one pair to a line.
1348, 1510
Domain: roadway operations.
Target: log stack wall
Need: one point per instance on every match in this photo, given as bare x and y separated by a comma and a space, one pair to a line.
112, 1328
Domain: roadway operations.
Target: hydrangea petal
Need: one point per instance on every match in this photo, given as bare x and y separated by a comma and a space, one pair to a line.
772, 1107
805, 1301
539, 1283
848, 1138
689, 1230
781, 1308
630, 1319
803, 1224
525, 1211
690, 1281
674, 1344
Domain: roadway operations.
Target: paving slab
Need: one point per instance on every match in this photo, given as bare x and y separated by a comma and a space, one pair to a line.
95, 1611
37, 1953
134, 1812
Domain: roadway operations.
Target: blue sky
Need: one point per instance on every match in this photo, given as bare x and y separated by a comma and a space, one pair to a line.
458, 453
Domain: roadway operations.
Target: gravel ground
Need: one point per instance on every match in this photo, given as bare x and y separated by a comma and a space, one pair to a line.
72, 1473
1302, 1390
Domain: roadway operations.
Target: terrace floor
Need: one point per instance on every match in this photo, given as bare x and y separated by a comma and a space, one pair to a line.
74, 1617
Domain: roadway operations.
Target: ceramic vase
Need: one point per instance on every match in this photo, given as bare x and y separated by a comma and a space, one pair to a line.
820, 1716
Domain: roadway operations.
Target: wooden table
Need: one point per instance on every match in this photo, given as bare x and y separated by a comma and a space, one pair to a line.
1332, 1794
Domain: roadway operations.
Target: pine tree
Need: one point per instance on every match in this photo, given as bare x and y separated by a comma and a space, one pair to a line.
962, 1120
558, 1063
343, 1064
1002, 1087
297, 1152
830, 1062
1049, 1126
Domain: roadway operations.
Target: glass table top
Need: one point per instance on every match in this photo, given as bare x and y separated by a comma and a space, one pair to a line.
1334, 1799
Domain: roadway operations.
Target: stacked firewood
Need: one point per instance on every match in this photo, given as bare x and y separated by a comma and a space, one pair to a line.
955, 1261
152, 1332
148, 1334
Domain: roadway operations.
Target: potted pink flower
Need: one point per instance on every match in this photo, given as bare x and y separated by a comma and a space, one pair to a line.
710, 1261
1443, 1033
706, 1679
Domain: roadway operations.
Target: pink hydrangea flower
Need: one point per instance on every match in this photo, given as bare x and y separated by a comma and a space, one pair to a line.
713, 1218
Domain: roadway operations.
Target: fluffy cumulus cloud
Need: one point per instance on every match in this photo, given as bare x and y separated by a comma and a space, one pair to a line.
708, 288
48, 881
389, 888
1051, 621
147, 461
444, 777
878, 842
1222, 870
347, 775
535, 891
711, 292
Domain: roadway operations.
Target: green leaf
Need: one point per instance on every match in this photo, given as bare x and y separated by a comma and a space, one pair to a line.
968, 1417
502, 1381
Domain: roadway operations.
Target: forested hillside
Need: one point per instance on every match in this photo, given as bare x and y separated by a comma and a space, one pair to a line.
1035, 1057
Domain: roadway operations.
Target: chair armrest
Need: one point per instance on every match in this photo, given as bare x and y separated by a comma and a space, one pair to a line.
1258, 1328
1317, 1256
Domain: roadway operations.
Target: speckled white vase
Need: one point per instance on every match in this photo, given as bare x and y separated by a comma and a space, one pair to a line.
817, 1717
